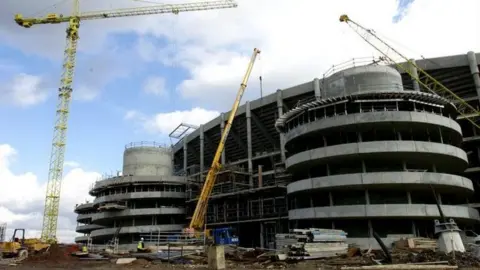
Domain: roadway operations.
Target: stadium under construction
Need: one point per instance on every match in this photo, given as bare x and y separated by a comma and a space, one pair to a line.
358, 149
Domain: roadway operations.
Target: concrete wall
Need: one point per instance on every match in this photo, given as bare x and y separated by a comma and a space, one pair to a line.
362, 79
147, 160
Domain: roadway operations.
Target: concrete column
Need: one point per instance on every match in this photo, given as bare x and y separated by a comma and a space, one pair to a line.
316, 88
280, 112
222, 127
185, 154
370, 228
248, 114
202, 151
472, 62
261, 235
414, 71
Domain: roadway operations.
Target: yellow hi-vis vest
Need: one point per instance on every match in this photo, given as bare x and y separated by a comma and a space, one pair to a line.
140, 245
84, 249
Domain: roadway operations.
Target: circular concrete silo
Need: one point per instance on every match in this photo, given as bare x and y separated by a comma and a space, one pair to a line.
360, 79
147, 159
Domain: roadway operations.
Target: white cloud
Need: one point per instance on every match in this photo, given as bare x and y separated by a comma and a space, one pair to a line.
24, 90
164, 123
71, 163
132, 114
300, 40
155, 86
26, 210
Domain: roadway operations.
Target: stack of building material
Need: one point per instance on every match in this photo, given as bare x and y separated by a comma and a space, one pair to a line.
416, 243
313, 243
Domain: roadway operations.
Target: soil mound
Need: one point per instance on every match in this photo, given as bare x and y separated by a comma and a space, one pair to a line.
55, 254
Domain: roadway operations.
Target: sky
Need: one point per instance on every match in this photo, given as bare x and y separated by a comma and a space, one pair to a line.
137, 78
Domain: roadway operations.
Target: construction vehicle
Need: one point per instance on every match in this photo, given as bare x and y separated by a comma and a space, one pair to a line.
223, 236
55, 172
19, 247
424, 79
219, 235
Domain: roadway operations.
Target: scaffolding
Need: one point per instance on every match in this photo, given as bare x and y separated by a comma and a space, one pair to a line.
181, 131
237, 197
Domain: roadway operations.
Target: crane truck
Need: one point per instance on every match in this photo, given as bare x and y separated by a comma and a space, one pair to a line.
219, 236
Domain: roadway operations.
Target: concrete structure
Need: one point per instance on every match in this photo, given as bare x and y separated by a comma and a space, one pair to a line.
257, 151
85, 226
365, 158
250, 194
145, 198
3, 231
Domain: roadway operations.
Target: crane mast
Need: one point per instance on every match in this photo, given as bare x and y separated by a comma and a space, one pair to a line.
198, 218
431, 84
55, 172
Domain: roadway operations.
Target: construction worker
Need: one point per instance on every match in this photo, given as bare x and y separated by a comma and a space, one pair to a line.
84, 249
141, 246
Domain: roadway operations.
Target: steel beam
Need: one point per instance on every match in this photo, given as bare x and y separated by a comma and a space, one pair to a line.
262, 129
222, 127
248, 114
280, 112
202, 152
185, 153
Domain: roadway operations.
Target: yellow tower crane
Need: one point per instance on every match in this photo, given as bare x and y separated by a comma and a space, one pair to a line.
198, 218
55, 172
431, 84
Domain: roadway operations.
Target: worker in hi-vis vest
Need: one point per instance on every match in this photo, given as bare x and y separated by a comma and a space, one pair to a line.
141, 246
84, 249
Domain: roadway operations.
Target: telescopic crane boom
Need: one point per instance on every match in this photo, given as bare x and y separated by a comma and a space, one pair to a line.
466, 110
55, 172
198, 218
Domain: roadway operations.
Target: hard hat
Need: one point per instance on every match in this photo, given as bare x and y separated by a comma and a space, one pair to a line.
141, 239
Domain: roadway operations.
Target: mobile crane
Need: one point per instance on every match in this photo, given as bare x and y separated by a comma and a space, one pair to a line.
55, 173
431, 84
220, 235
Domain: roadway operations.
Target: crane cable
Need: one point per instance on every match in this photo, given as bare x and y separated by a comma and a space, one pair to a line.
260, 79
61, 2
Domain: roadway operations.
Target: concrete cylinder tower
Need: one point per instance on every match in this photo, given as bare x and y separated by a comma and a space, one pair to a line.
145, 200
147, 159
360, 79
364, 159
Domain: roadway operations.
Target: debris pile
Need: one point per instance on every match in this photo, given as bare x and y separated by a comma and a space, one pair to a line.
56, 254
462, 259
312, 243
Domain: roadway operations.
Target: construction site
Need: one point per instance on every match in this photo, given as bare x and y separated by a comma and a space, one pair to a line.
372, 164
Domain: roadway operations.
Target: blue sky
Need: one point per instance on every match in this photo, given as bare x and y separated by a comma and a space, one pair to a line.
137, 78
97, 130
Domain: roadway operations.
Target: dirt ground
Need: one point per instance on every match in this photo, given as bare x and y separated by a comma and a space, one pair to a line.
59, 257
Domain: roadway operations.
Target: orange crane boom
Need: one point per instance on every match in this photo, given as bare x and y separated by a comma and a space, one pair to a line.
198, 218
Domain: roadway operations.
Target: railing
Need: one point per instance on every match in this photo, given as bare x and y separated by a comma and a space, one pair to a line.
361, 88
178, 238
354, 62
147, 144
